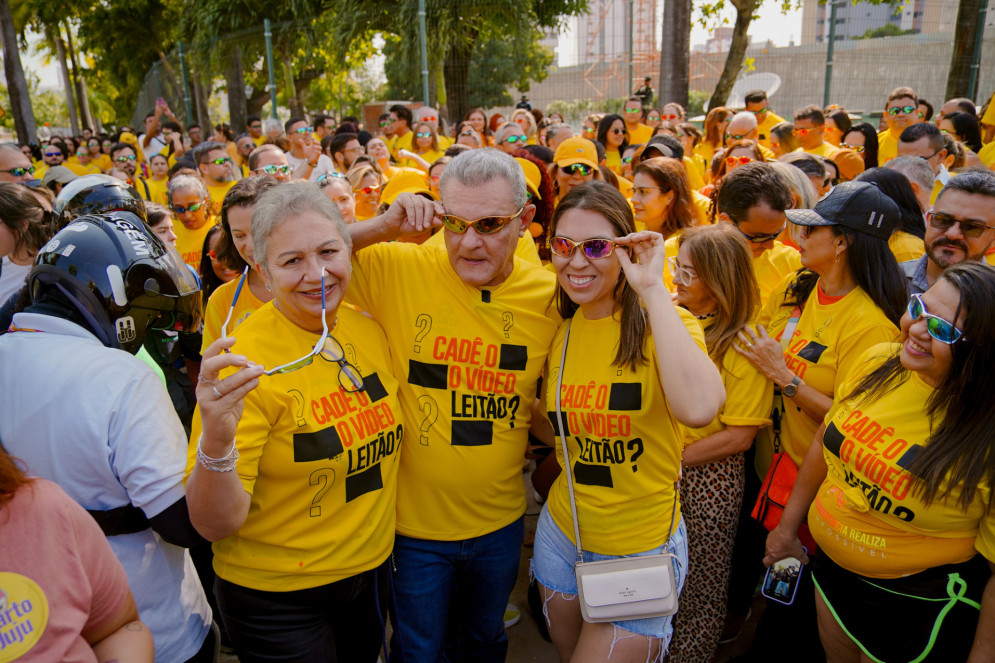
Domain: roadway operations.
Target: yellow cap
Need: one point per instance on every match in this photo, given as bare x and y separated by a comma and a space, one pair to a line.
532, 175
404, 182
128, 137
576, 150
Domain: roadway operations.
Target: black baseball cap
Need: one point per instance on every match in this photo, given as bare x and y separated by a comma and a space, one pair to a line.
859, 206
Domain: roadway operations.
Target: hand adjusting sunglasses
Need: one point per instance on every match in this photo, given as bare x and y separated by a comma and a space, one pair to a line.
327, 346
942, 330
485, 225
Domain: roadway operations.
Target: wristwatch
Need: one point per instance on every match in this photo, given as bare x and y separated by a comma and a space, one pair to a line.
791, 388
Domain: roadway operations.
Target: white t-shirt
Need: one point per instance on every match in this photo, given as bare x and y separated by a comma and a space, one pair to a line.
325, 166
155, 146
12, 278
99, 423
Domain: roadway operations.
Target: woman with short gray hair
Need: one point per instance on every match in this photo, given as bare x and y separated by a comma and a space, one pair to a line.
303, 526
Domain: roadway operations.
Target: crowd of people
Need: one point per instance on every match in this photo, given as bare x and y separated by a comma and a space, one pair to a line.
294, 377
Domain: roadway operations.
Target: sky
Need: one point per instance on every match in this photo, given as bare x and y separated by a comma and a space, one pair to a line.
771, 25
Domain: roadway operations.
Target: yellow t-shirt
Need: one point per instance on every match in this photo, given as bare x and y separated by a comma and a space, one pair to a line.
749, 397
640, 135
866, 515
217, 310
624, 443
217, 192
525, 249
989, 116
906, 246
320, 464
614, 161
469, 361
763, 129
826, 150
103, 162
81, 170
987, 155
702, 205
260, 140
695, 180
398, 143
431, 157
190, 243
887, 147
827, 341
706, 151
773, 265
158, 190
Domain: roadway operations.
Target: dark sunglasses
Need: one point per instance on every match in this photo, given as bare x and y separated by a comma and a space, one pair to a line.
578, 169
192, 208
945, 222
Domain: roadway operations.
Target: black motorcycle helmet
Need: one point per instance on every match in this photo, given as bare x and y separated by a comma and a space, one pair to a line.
120, 277
96, 194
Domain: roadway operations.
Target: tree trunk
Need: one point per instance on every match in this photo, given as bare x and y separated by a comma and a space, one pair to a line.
67, 87
293, 99
17, 85
959, 75
236, 91
456, 75
82, 101
674, 56
737, 52
200, 105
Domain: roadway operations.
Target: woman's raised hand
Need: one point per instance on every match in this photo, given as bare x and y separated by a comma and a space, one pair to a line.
221, 400
645, 275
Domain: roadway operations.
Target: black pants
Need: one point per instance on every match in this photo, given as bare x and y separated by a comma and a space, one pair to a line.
339, 622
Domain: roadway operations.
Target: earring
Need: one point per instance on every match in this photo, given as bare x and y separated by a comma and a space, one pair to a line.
837, 258
268, 288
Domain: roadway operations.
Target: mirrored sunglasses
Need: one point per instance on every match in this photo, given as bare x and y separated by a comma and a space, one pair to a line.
939, 328
594, 249
485, 225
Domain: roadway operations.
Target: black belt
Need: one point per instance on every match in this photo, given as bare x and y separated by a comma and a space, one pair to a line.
127, 519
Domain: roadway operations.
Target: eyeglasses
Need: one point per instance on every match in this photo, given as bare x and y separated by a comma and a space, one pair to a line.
670, 117
632, 111
944, 222
325, 178
220, 161
652, 118
859, 149
367, 189
802, 132
53, 154
21, 172
627, 159
738, 161
684, 276
761, 239
904, 110
593, 249
192, 208
329, 348
735, 136
423, 134
255, 126
469, 132
304, 130
581, 169
385, 123
830, 130
484, 225
515, 139
618, 132
273, 169
429, 118
942, 330
83, 153
130, 157
589, 130
760, 112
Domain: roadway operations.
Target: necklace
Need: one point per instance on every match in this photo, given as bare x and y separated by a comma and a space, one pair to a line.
707, 315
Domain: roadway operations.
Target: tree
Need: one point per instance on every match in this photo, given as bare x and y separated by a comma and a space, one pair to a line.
970, 24
674, 57
886, 30
17, 85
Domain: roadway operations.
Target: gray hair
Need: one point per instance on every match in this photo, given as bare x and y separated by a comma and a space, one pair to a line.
915, 169
556, 128
478, 167
745, 116
799, 183
183, 182
286, 202
272, 125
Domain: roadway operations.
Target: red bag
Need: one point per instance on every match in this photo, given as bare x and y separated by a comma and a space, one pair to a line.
774, 493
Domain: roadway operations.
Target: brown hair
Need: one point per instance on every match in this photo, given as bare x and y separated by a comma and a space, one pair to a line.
12, 477
24, 216
669, 175
606, 200
716, 115
243, 194
901, 92
723, 262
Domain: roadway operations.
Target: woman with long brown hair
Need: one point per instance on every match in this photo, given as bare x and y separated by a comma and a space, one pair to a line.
621, 323
715, 128
714, 280
23, 230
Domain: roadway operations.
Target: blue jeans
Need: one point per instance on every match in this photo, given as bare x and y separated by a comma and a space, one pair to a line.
451, 596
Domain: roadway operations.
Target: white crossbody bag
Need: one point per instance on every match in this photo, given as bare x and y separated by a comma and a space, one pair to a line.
616, 589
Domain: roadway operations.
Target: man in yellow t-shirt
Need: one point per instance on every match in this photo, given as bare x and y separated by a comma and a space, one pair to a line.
754, 198
470, 326
743, 126
255, 126
810, 124
924, 140
124, 156
901, 111
216, 169
757, 103
400, 129
632, 115
244, 144
188, 201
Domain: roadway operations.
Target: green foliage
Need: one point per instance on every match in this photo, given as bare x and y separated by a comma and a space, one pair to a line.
886, 30
696, 102
574, 112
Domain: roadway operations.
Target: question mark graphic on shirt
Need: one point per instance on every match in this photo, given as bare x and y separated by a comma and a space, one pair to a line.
509, 322
513, 406
633, 443
427, 405
322, 478
350, 354
299, 411
424, 323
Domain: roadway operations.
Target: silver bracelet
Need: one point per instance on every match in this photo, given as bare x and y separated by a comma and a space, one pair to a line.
226, 464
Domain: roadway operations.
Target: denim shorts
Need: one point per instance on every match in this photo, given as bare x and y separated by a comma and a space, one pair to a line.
553, 566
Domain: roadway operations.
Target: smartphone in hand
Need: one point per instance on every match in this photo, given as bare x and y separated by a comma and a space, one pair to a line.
781, 581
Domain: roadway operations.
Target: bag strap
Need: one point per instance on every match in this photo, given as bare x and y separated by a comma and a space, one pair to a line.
786, 336
568, 469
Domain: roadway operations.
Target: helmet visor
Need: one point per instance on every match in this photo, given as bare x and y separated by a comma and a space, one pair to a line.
179, 302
